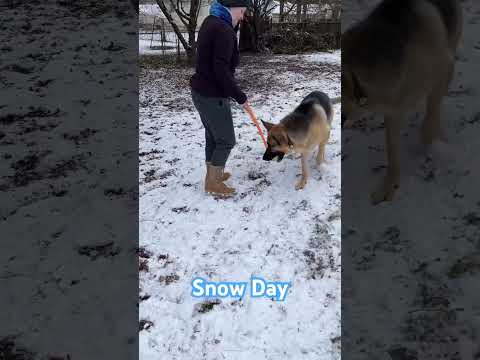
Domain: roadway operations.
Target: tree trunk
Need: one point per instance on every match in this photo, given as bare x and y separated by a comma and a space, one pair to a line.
189, 20
192, 52
336, 12
175, 27
192, 28
248, 41
282, 10
299, 11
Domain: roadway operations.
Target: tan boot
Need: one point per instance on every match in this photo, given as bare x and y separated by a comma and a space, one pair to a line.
214, 184
225, 176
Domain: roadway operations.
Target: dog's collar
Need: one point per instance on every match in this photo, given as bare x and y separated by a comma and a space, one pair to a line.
359, 92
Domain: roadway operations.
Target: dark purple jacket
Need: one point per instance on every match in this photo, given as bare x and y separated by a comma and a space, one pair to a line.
217, 58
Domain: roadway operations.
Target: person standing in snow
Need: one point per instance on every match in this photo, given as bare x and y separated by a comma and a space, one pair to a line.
213, 84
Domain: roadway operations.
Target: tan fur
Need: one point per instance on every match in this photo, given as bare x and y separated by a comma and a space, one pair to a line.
424, 74
316, 136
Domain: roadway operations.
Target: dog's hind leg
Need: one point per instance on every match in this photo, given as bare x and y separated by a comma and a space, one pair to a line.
431, 123
321, 150
389, 185
303, 181
321, 154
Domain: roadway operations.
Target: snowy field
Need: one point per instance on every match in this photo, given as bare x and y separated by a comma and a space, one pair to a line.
68, 85
149, 44
428, 236
150, 9
268, 229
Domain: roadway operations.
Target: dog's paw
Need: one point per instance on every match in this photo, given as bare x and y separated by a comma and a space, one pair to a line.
318, 164
301, 184
348, 124
385, 192
430, 134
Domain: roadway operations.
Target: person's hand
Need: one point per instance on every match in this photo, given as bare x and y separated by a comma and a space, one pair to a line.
245, 106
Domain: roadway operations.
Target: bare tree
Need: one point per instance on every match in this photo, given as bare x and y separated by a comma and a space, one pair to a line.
255, 24
299, 11
335, 5
286, 8
305, 11
188, 19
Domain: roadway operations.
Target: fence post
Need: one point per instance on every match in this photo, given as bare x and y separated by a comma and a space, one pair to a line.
162, 37
153, 30
178, 49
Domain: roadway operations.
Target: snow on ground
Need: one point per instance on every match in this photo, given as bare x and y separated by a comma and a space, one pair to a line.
149, 44
428, 236
150, 9
148, 47
68, 75
324, 57
268, 229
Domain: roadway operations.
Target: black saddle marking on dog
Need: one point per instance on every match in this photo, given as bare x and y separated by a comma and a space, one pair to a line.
387, 30
301, 118
447, 10
390, 27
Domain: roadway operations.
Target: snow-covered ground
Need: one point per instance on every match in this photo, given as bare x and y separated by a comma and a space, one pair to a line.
150, 9
428, 237
268, 229
149, 44
324, 57
152, 47
68, 153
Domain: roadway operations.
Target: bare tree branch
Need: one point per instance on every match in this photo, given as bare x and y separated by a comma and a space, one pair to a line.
290, 10
266, 4
181, 8
175, 27
269, 11
188, 19
183, 18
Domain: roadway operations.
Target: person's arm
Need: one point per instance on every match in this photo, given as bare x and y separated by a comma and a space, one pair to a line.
222, 53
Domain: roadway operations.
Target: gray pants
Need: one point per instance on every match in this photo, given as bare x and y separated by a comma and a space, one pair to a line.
216, 116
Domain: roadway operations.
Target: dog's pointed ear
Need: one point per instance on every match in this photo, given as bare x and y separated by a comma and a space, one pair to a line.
267, 125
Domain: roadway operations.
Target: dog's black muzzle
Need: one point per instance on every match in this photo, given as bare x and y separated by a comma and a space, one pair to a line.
270, 155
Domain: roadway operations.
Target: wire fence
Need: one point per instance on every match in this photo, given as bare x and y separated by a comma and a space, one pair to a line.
157, 36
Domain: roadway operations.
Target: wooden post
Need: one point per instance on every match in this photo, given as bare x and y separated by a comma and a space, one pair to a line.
282, 10
153, 31
299, 11
163, 39
178, 49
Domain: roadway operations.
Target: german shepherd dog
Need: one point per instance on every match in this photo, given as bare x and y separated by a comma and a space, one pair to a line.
401, 54
301, 131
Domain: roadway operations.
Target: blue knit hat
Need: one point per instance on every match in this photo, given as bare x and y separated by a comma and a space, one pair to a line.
236, 3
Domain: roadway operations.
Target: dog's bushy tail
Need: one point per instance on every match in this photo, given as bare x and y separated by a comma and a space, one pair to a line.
336, 100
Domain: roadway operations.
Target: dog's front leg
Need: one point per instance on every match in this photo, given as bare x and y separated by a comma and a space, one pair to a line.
321, 151
301, 183
431, 123
387, 188
320, 155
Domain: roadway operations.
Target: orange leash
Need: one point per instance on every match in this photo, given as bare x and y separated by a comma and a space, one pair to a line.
255, 121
